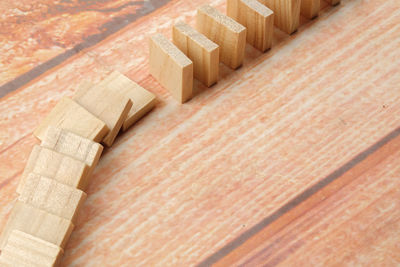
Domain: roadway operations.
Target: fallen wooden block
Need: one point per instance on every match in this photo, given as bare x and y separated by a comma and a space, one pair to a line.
203, 52
39, 223
224, 31
109, 105
75, 146
333, 2
51, 196
172, 68
69, 115
310, 8
257, 18
143, 100
287, 13
54, 165
25, 250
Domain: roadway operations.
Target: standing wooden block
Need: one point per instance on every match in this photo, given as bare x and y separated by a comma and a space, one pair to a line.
75, 146
69, 115
143, 100
333, 2
171, 68
310, 8
54, 165
51, 196
257, 18
224, 31
38, 223
287, 13
109, 105
25, 250
203, 52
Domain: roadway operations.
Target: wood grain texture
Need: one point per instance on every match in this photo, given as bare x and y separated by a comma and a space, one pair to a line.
237, 152
310, 8
286, 13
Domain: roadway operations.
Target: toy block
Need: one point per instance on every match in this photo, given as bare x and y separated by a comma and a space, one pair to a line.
224, 31
109, 105
287, 13
203, 52
25, 250
333, 2
310, 8
257, 18
39, 223
142, 100
69, 115
172, 68
51, 196
74, 146
54, 165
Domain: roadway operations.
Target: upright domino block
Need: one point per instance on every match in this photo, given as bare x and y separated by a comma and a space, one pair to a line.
203, 52
287, 13
25, 250
172, 68
74, 146
39, 223
333, 2
224, 31
109, 105
143, 100
257, 18
51, 196
56, 166
310, 8
69, 115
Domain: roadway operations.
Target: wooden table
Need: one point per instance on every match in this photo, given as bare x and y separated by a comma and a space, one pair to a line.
291, 160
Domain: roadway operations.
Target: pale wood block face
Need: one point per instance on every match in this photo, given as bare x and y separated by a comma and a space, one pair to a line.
172, 68
109, 105
69, 115
23, 249
51, 196
287, 13
54, 165
203, 52
310, 8
224, 31
257, 18
39, 223
142, 100
75, 146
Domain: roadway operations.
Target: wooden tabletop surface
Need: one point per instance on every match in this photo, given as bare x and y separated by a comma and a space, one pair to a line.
292, 160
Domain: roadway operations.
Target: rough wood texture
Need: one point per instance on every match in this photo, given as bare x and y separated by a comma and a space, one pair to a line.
74, 146
24, 250
310, 8
69, 115
36, 222
51, 196
203, 52
286, 13
172, 68
258, 20
108, 104
224, 31
54, 165
143, 100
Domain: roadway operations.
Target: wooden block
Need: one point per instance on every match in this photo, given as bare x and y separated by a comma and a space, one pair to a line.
75, 146
39, 223
54, 165
69, 115
109, 105
333, 2
171, 68
310, 8
51, 196
287, 13
143, 100
224, 31
25, 250
257, 18
203, 52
